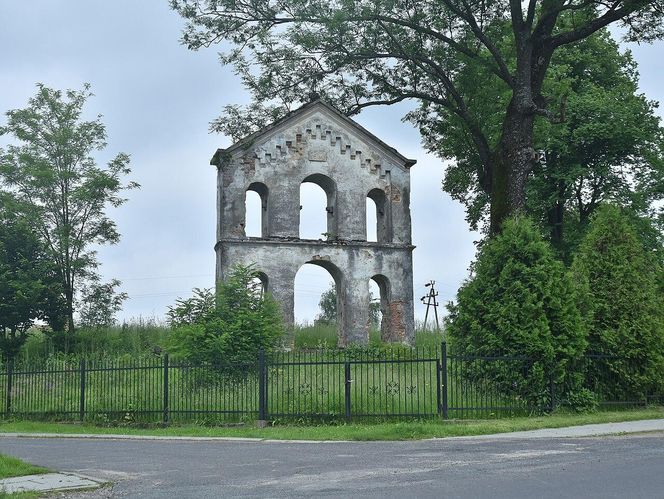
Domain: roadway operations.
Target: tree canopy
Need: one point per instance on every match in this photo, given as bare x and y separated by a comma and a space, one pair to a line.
62, 192
609, 147
369, 52
328, 308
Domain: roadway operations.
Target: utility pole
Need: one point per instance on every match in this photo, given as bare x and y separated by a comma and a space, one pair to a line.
430, 301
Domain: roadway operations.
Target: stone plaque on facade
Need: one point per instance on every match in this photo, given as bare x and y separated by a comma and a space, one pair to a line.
317, 155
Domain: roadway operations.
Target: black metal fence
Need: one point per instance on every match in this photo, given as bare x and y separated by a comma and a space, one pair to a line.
334, 384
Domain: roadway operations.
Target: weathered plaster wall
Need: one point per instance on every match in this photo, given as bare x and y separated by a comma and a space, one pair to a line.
316, 145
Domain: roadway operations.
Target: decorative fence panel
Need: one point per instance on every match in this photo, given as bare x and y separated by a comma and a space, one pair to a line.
329, 384
477, 388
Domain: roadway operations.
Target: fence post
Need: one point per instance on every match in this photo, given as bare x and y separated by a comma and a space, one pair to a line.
262, 388
443, 383
347, 383
165, 415
81, 410
10, 375
552, 390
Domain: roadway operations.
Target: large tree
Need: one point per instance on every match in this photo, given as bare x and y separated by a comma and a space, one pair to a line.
363, 53
63, 192
610, 146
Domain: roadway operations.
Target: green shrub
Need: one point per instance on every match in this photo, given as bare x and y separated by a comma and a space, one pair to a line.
626, 308
230, 330
520, 302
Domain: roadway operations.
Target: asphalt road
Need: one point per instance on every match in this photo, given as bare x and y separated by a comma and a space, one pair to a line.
601, 467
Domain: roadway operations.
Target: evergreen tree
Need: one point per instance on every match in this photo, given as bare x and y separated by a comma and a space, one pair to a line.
626, 316
520, 302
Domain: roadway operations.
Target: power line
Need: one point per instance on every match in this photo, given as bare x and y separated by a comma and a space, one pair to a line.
164, 277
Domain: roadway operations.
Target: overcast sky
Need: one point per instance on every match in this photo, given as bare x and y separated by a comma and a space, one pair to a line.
157, 99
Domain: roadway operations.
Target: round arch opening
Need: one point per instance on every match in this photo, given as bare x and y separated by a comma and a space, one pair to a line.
318, 195
319, 306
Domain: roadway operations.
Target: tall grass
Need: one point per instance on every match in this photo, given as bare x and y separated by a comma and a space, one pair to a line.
146, 337
304, 384
309, 336
138, 337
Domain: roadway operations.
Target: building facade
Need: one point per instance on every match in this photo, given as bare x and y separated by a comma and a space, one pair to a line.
318, 144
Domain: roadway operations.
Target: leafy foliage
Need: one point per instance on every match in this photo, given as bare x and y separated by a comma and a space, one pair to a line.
100, 303
230, 331
626, 315
60, 188
607, 143
29, 285
191, 310
328, 307
521, 302
435, 52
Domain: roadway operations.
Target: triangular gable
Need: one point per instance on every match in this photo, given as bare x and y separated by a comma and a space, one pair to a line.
301, 114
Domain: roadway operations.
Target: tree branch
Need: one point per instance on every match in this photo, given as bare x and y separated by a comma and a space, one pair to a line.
611, 15
469, 18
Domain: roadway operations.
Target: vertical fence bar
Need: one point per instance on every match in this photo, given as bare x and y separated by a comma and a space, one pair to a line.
552, 389
442, 386
10, 376
439, 402
81, 407
347, 389
165, 415
262, 386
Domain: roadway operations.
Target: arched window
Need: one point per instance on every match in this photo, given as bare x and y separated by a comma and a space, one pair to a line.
318, 195
256, 219
372, 221
383, 284
378, 222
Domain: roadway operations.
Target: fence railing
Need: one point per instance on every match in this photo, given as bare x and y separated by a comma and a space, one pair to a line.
336, 384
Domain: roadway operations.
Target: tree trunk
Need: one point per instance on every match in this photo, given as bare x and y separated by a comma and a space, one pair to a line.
69, 336
512, 164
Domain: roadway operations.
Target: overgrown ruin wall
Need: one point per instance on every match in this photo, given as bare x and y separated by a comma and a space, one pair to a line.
317, 144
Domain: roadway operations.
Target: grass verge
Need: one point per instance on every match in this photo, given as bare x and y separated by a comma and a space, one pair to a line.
404, 430
11, 467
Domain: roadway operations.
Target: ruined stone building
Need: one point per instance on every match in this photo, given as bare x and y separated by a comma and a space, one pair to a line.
318, 144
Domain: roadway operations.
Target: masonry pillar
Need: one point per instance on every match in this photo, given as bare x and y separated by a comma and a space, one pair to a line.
282, 288
353, 302
351, 214
284, 210
401, 316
